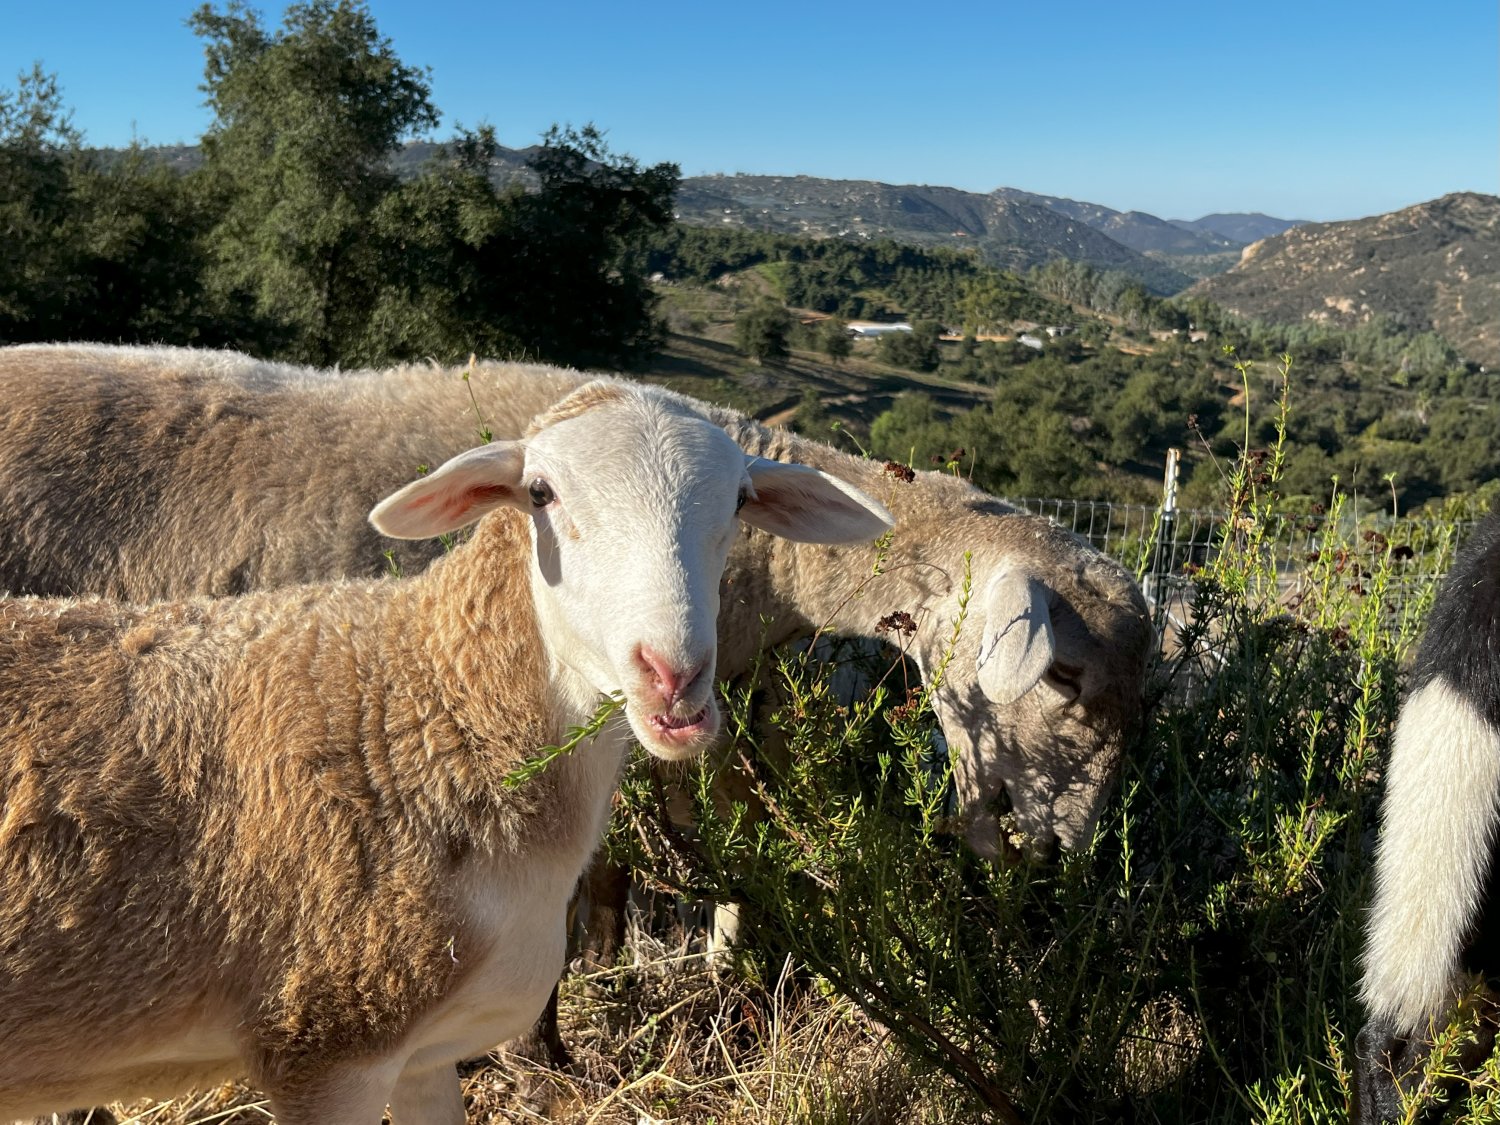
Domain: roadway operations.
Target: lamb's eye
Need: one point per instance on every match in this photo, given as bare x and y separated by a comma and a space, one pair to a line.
541, 493
739, 502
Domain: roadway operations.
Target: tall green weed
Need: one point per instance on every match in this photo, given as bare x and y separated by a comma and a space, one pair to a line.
1199, 961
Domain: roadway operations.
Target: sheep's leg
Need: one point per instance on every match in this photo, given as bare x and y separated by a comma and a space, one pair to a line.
1380, 1058
723, 935
549, 1029
429, 1097
534, 1056
603, 894
1388, 1065
544, 1042
592, 900
344, 1095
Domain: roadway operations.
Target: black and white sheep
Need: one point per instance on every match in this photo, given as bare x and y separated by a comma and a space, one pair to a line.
1434, 925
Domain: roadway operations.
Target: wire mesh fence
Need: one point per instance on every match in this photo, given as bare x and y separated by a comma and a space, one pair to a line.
1167, 548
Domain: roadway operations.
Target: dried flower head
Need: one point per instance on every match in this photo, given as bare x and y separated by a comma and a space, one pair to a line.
899, 471
898, 622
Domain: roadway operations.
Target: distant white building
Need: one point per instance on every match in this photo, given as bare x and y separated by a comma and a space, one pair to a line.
870, 330
1030, 341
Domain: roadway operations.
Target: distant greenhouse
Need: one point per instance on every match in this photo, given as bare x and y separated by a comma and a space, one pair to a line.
870, 330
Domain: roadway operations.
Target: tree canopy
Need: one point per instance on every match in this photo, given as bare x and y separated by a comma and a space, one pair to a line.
298, 239
304, 120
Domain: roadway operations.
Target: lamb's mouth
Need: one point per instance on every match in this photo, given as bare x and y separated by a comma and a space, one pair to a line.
680, 736
672, 727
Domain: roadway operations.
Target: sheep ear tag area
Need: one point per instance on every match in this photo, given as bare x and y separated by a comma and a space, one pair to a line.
456, 494
806, 505
1017, 644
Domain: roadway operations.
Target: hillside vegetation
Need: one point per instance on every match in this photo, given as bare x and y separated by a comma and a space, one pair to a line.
1090, 412
1006, 233
1434, 267
288, 235
288, 256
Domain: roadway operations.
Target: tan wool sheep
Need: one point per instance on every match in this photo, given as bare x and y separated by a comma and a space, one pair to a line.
155, 472
273, 834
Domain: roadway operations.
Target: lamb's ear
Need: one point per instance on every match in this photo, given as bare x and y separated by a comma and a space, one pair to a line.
458, 492
806, 505
1017, 644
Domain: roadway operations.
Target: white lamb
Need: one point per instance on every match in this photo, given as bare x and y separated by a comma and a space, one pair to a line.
271, 835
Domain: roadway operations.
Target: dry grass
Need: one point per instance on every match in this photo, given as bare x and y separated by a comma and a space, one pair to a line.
664, 1038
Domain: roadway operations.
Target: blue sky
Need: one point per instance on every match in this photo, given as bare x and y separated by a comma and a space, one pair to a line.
1321, 109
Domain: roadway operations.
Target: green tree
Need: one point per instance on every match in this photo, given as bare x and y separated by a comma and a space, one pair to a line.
569, 265
911, 430
761, 332
914, 432
97, 246
305, 120
444, 293
990, 302
40, 281
916, 350
1066, 347
1134, 306
833, 338
140, 227
1048, 458
812, 416
1138, 418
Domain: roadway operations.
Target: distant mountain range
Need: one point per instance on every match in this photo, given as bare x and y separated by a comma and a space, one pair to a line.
1012, 229
1141, 232
1431, 267
1240, 228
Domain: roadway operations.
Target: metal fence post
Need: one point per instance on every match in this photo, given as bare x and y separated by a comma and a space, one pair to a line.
1166, 529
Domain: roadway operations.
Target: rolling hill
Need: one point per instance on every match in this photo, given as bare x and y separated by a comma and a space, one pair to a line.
1240, 229
1431, 267
1143, 233
1012, 234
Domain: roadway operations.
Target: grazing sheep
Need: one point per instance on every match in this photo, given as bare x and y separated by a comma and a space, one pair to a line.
1434, 925
154, 472
272, 835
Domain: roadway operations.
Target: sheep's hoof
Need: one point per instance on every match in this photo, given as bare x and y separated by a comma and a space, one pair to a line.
536, 1061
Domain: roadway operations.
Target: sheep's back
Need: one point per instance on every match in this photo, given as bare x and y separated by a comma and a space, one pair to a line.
152, 473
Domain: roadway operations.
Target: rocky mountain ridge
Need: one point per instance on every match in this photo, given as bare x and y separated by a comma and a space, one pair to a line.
1434, 266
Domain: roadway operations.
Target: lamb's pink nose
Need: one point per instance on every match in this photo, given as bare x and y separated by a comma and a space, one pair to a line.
669, 680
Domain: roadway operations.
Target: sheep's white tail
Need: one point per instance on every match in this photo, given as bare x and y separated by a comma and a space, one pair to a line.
1438, 822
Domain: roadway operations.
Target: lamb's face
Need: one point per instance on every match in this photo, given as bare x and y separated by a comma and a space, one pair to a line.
628, 560
1032, 773
635, 500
